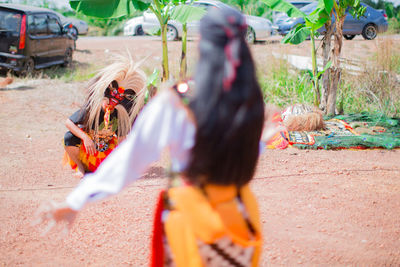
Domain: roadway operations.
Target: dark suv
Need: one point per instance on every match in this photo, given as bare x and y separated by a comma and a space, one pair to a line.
32, 38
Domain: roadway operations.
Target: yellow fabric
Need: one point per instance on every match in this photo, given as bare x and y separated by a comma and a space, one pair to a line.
250, 202
197, 217
182, 241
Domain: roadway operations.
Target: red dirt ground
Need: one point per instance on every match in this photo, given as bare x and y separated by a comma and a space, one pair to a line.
318, 208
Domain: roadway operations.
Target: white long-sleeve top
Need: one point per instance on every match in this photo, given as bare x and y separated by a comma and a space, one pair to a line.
163, 123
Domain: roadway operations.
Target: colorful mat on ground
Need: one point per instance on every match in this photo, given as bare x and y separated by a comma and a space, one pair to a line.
352, 131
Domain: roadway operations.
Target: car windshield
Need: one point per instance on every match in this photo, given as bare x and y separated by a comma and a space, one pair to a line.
10, 21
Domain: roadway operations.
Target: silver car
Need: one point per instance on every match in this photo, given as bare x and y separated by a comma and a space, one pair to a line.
259, 28
78, 26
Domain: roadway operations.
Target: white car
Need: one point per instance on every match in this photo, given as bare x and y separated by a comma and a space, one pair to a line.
259, 28
134, 26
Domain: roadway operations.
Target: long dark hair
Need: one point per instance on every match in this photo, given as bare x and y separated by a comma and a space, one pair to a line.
227, 105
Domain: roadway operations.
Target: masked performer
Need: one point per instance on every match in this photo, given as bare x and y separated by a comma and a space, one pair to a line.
208, 215
115, 96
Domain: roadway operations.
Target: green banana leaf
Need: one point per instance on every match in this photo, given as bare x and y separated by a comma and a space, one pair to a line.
187, 13
328, 4
153, 78
283, 6
297, 35
108, 8
316, 19
321, 14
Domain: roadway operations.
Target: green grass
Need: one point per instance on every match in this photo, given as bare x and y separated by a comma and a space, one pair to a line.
394, 26
376, 91
283, 87
74, 73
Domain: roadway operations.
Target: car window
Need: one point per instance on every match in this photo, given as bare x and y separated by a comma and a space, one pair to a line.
31, 24
54, 26
40, 25
10, 21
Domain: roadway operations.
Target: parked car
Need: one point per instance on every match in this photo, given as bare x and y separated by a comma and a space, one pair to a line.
259, 28
78, 26
299, 3
32, 38
278, 17
134, 26
369, 25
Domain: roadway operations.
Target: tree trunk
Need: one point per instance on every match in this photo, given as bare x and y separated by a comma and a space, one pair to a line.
165, 66
331, 103
326, 77
183, 70
336, 69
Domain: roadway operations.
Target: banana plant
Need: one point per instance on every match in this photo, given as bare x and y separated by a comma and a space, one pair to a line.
185, 14
151, 85
312, 22
355, 9
118, 8
250, 7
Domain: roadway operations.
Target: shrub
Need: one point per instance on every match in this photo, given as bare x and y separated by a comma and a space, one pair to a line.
283, 86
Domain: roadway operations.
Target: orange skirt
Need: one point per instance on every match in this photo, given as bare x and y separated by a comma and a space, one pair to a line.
91, 162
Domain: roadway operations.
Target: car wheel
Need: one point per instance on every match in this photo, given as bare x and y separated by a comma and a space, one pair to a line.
139, 30
172, 33
250, 35
349, 36
28, 68
67, 58
369, 32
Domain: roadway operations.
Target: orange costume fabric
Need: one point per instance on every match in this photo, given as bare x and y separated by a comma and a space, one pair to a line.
91, 162
208, 227
279, 140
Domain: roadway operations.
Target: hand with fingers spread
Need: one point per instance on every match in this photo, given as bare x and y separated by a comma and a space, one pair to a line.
55, 214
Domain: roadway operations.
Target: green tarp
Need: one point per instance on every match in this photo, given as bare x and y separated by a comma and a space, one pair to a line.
374, 131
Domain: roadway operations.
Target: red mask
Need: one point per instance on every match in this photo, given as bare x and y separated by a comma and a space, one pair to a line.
117, 95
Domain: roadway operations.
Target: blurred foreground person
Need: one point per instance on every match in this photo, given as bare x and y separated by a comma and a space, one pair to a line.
208, 215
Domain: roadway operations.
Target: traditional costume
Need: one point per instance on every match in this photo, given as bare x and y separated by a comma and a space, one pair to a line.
121, 85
